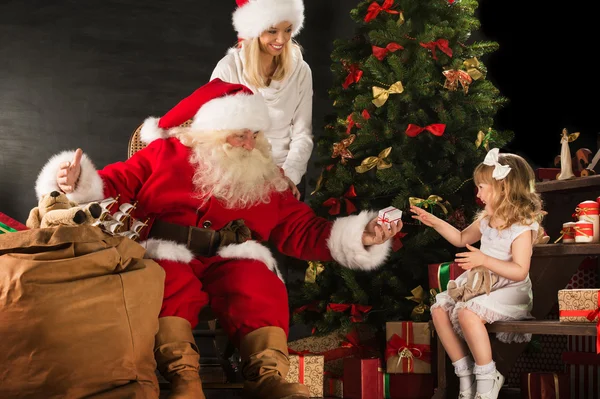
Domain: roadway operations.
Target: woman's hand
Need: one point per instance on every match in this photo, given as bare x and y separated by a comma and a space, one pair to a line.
375, 234
293, 187
68, 173
424, 217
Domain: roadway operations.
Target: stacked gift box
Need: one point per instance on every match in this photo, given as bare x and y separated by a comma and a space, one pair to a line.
10, 225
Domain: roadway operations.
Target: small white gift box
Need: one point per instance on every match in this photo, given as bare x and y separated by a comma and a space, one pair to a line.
388, 215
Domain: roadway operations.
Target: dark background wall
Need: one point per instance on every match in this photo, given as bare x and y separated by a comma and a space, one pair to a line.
86, 73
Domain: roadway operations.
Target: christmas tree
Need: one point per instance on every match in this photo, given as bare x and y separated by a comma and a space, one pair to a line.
414, 115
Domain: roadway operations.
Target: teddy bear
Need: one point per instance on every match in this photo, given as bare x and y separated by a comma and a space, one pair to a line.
55, 209
479, 281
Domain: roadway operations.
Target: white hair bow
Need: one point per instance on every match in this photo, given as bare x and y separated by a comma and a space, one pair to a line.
491, 159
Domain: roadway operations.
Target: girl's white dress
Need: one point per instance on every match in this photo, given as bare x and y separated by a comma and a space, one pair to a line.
509, 300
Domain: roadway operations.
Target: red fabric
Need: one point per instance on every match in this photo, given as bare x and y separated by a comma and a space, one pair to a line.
187, 108
381, 52
159, 177
244, 294
437, 129
7, 220
540, 385
407, 386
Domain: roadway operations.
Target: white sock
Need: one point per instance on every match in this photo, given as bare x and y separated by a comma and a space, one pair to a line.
463, 368
484, 386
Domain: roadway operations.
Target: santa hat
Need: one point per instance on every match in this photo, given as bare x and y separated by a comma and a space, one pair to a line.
217, 105
252, 17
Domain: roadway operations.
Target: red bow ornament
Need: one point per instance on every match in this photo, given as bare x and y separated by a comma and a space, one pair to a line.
437, 129
456, 76
341, 149
357, 312
374, 9
354, 75
407, 352
335, 204
381, 52
441, 44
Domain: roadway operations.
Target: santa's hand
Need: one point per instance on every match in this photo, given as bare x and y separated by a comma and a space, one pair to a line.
423, 216
293, 187
68, 173
469, 260
377, 234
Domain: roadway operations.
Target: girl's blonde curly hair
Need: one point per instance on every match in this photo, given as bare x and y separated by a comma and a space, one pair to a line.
514, 197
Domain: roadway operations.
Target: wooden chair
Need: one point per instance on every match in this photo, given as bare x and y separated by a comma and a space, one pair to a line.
222, 346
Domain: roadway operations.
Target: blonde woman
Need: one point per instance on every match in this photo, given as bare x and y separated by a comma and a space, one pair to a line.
507, 229
268, 61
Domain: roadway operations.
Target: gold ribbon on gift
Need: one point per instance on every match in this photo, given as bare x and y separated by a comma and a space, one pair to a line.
431, 201
405, 354
378, 161
381, 95
472, 67
556, 386
312, 271
484, 138
418, 296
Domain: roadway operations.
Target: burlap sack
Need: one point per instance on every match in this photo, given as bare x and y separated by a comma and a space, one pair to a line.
78, 315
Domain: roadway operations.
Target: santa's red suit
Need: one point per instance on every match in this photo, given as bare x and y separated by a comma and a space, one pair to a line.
241, 282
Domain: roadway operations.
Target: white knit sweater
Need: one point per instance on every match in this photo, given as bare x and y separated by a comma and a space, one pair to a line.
290, 108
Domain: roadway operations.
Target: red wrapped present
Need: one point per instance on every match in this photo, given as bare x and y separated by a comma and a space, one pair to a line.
584, 374
408, 348
361, 378
406, 386
333, 386
10, 225
544, 385
441, 273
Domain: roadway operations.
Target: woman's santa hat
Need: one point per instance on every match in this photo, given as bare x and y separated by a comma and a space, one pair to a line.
216, 106
253, 17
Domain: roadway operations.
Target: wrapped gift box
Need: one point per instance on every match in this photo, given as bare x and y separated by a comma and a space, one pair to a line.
361, 378
336, 346
10, 225
440, 273
584, 374
307, 370
544, 385
408, 348
333, 386
406, 386
578, 305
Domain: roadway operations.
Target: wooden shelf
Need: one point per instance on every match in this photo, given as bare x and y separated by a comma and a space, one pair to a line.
546, 327
566, 249
571, 184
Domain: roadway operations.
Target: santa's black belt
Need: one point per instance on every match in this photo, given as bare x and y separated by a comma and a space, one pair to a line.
201, 241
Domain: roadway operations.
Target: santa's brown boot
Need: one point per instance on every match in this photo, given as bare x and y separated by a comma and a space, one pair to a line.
177, 358
265, 365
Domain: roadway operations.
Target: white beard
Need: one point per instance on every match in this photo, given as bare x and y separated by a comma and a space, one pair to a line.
239, 178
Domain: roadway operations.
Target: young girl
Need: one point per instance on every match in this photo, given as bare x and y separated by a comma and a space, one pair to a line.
507, 228
268, 61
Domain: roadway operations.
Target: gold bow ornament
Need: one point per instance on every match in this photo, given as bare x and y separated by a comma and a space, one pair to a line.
312, 271
484, 138
472, 67
431, 201
381, 95
341, 149
378, 161
418, 296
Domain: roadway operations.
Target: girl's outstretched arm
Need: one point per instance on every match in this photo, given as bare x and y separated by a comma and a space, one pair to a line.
454, 236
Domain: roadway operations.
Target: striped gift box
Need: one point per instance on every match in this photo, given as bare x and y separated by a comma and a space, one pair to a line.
584, 373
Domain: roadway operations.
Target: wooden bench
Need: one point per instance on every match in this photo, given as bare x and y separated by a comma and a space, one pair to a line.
552, 266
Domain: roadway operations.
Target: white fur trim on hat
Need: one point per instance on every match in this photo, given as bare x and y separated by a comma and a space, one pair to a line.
150, 131
345, 243
251, 250
233, 112
256, 16
167, 250
89, 186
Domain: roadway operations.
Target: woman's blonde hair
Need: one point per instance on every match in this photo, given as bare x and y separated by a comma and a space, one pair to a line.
253, 71
515, 199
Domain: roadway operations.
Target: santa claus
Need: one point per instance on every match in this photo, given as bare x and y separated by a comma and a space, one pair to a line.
213, 194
